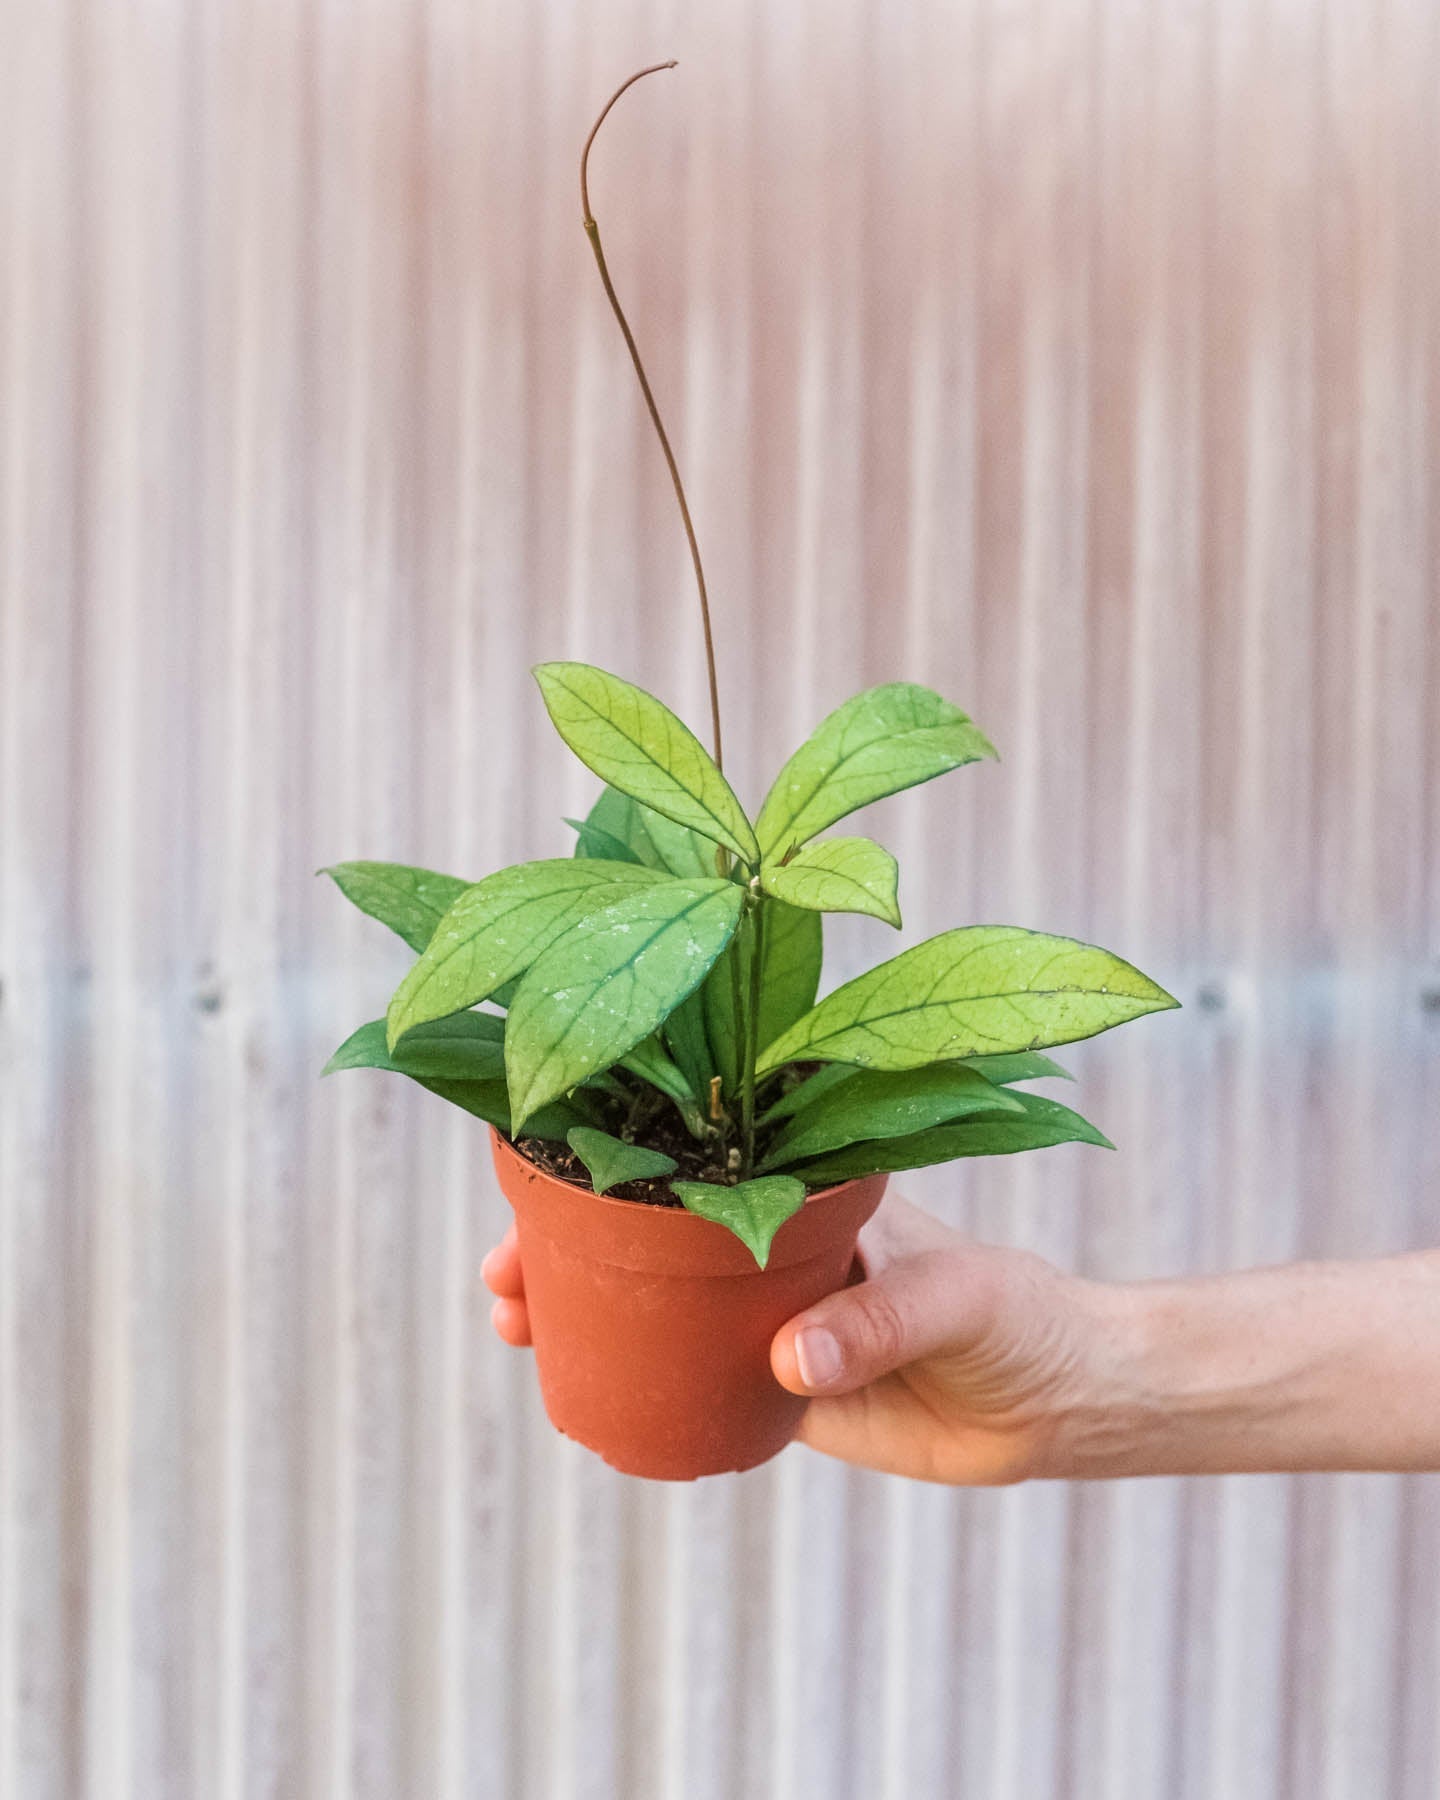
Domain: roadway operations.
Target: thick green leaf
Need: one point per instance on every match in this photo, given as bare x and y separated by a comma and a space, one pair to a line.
639, 746
468, 1047
789, 978
610, 1160
489, 1100
653, 1063
617, 816
497, 928
806, 1092
753, 1210
688, 1042
411, 902
843, 874
682, 851
606, 985
886, 739
592, 841
659, 843
1024, 1065
365, 1048
982, 990
486, 1098
1043, 1122
874, 1103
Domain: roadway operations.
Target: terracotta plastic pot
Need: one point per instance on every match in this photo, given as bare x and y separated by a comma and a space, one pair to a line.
652, 1327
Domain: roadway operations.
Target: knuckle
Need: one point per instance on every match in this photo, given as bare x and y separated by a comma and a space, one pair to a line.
880, 1326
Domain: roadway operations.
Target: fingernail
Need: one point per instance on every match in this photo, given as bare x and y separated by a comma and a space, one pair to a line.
818, 1356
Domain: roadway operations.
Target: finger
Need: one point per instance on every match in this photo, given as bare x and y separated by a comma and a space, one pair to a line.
929, 1302
889, 1427
882, 1427
501, 1272
512, 1322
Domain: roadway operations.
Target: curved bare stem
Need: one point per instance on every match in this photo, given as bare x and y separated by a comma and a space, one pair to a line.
592, 231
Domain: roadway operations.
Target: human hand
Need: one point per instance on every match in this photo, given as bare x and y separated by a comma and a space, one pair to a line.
961, 1362
950, 1361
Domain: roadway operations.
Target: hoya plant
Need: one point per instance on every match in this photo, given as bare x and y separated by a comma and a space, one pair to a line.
641, 1016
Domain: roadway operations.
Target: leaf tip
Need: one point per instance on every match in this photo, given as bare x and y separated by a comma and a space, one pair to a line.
524, 1106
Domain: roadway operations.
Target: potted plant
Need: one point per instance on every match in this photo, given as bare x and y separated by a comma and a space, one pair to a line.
689, 1139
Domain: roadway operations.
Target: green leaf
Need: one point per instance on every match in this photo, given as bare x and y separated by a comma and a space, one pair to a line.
982, 990
363, 1049
606, 985
653, 1063
610, 1160
1024, 1065
410, 901
886, 739
619, 817
639, 746
606, 1083
490, 1101
468, 1047
682, 851
486, 1098
874, 1103
843, 874
807, 1091
497, 928
592, 841
644, 836
789, 978
1043, 1123
753, 1210
689, 1043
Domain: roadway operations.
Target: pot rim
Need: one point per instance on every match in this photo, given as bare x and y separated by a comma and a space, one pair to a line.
671, 1240
508, 1143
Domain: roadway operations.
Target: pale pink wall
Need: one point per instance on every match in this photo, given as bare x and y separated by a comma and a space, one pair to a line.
1080, 359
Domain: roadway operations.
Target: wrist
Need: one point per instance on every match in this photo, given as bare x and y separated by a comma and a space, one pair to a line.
1184, 1377
1312, 1366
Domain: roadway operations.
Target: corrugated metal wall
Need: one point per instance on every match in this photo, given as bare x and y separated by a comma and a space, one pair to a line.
1079, 357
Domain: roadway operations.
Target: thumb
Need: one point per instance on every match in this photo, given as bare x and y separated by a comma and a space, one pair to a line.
911, 1309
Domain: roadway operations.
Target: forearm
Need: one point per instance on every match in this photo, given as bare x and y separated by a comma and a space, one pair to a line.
1310, 1366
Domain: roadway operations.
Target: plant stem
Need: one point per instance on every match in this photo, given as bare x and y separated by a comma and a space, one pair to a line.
752, 1040
592, 231
737, 1012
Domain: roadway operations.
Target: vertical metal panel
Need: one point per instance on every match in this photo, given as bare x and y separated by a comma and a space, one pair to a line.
1081, 359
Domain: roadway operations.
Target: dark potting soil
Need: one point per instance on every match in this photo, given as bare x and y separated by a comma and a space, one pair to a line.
696, 1162
661, 1129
